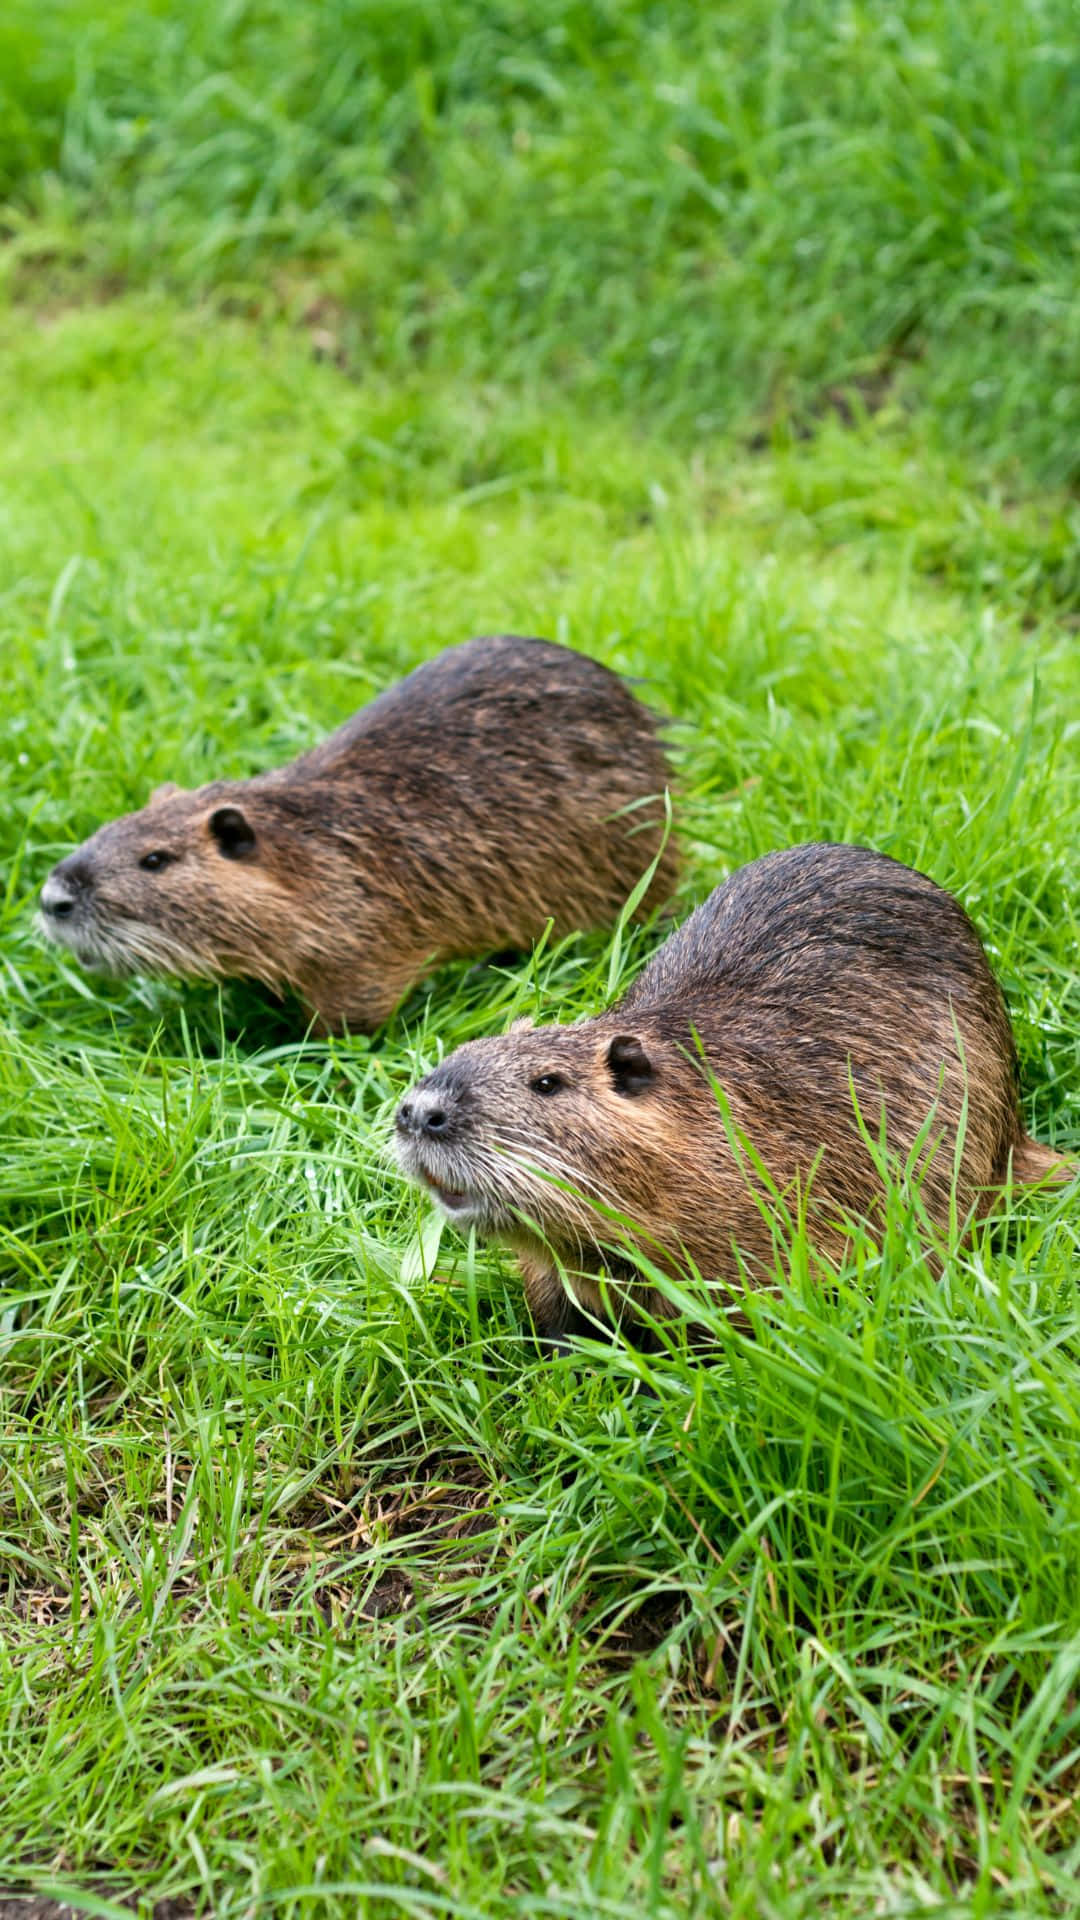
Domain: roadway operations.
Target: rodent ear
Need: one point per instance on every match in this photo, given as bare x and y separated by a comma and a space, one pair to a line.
233, 832
629, 1065
164, 792
523, 1024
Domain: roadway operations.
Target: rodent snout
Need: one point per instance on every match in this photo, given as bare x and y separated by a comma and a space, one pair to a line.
60, 894
427, 1110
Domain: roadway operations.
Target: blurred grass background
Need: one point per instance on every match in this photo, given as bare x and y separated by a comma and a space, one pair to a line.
702, 215
739, 347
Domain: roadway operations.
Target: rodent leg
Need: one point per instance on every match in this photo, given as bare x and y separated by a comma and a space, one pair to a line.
559, 1335
506, 957
556, 1316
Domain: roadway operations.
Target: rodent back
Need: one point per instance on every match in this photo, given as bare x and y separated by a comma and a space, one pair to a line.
493, 781
826, 971
496, 702
815, 924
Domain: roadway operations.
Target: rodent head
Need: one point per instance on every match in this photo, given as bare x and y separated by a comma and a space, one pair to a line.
160, 891
563, 1127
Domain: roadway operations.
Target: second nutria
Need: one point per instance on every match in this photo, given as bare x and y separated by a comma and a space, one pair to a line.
506, 783
812, 974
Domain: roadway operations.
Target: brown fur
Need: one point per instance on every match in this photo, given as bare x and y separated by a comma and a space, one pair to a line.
812, 973
497, 787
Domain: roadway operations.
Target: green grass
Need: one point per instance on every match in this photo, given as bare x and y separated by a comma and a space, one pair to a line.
320, 1593
692, 212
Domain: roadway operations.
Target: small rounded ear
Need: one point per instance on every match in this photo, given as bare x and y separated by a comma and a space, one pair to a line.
523, 1024
164, 792
629, 1065
233, 832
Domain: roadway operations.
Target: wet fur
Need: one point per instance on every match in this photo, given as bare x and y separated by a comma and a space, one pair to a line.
812, 974
456, 814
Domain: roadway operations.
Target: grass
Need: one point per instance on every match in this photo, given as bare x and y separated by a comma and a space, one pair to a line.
691, 213
320, 1593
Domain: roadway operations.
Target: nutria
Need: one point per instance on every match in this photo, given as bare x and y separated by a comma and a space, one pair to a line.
506, 783
811, 974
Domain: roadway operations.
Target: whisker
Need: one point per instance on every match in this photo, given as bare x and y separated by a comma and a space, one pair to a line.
560, 1168
551, 1199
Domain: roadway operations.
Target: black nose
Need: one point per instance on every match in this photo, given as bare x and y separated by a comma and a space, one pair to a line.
427, 1110
60, 894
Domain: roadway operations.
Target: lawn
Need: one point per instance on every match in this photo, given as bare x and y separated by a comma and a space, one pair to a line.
738, 347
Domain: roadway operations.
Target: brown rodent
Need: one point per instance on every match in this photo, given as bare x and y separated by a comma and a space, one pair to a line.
810, 972
504, 783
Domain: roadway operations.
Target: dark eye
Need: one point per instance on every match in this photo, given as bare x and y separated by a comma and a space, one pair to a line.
152, 862
548, 1083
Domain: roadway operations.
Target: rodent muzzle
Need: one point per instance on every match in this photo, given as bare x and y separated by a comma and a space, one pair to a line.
427, 1111
64, 890
430, 1123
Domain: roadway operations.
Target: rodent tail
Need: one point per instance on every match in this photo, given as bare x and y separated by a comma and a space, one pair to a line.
1033, 1164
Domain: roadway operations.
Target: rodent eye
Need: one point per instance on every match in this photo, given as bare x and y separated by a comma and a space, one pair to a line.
151, 862
548, 1083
